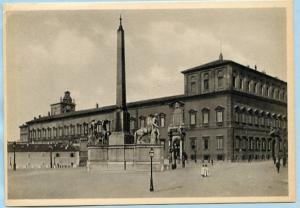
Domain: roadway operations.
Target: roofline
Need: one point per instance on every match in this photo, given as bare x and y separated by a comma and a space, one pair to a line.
227, 62
149, 102
201, 67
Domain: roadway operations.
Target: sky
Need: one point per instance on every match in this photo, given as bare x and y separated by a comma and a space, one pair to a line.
49, 52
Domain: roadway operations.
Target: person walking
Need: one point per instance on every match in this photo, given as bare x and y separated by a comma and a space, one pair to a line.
278, 165
184, 159
206, 171
202, 171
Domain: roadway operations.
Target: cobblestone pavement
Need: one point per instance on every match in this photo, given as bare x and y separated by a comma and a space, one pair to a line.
226, 179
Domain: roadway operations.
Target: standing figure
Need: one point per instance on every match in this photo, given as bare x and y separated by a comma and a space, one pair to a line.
154, 130
278, 165
202, 171
206, 171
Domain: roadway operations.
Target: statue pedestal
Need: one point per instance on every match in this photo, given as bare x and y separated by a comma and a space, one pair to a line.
120, 138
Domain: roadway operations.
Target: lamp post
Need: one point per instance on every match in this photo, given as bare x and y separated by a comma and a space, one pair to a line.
50, 149
14, 147
151, 154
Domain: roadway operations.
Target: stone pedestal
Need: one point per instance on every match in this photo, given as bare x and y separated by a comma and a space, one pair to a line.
125, 157
120, 138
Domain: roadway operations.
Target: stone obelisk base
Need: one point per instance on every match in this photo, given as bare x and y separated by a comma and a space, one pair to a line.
120, 138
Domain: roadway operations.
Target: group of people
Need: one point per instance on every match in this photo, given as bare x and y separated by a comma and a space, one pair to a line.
204, 171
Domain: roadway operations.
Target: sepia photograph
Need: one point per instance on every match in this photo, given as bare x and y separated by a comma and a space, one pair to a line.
148, 103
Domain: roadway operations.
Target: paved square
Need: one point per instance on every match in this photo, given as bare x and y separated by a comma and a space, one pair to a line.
226, 179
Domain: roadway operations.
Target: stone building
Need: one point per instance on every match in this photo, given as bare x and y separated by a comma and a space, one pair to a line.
226, 112
28, 155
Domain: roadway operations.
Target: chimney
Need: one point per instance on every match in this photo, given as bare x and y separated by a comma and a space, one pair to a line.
97, 106
255, 67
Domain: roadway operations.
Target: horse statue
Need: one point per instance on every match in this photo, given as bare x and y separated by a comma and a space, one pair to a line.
151, 129
98, 133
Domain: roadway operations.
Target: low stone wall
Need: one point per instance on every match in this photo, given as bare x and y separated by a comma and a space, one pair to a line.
125, 157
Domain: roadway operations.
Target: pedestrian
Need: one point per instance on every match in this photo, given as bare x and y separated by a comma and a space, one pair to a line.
206, 171
184, 158
202, 171
278, 165
212, 162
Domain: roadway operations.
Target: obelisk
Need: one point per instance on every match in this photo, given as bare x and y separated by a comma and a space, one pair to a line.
121, 128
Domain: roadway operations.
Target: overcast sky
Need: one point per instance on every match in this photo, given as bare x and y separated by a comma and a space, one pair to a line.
49, 52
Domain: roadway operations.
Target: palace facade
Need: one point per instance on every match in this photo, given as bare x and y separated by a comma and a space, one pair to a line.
227, 111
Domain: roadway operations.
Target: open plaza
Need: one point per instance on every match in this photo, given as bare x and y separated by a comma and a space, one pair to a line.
225, 179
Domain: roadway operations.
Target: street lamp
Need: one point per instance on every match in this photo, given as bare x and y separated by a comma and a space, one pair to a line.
151, 154
14, 147
51, 149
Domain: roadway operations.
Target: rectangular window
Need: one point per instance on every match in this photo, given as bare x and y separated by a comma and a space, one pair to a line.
193, 87
132, 124
60, 131
251, 144
257, 144
205, 143
263, 144
49, 133
220, 79
193, 119
206, 81
243, 117
220, 82
245, 143
269, 144
162, 121
219, 116
193, 143
220, 142
233, 81
205, 117
247, 86
142, 123
241, 84
236, 117
237, 143
206, 85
